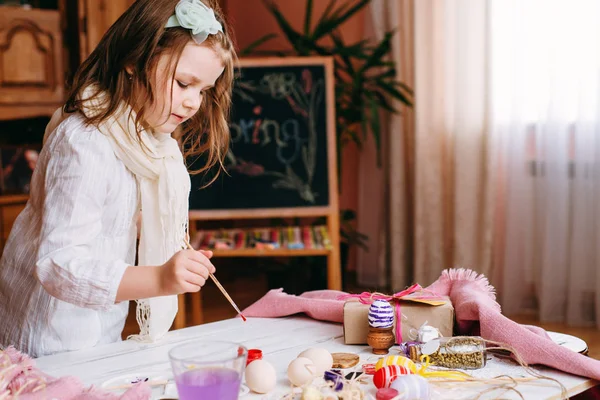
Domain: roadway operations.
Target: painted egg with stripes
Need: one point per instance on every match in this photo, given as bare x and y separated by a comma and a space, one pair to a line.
384, 377
396, 360
411, 387
381, 314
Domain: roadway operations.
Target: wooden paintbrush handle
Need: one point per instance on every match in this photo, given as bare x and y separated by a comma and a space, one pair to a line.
221, 288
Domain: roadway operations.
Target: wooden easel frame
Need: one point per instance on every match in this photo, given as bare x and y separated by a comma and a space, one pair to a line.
330, 212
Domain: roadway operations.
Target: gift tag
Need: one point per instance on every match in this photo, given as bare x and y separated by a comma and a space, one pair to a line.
424, 298
430, 347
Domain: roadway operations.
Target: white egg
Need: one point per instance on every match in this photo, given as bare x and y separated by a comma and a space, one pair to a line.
260, 376
301, 371
322, 358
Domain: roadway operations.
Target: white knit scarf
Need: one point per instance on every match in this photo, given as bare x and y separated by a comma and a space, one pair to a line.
164, 186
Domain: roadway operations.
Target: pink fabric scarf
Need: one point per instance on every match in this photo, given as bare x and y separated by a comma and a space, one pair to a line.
477, 313
20, 378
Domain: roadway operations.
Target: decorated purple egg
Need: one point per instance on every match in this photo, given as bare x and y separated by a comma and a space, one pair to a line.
335, 377
381, 314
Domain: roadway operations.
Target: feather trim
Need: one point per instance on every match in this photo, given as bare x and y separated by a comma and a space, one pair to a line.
463, 274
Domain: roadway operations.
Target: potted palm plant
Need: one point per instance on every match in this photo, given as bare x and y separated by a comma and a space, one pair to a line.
365, 81
365, 77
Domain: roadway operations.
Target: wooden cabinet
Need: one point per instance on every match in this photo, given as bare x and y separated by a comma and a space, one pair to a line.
34, 57
95, 17
31, 62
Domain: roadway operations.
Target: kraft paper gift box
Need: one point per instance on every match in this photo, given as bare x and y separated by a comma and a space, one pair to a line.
415, 312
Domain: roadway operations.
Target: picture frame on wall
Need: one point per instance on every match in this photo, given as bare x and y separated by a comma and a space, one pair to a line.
17, 164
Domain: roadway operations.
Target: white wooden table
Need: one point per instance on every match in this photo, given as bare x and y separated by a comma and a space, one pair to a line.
281, 340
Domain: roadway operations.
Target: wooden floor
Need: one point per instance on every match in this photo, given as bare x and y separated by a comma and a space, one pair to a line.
245, 288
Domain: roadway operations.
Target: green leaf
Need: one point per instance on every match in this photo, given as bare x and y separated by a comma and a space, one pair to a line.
320, 50
342, 68
354, 137
357, 88
326, 14
364, 121
384, 64
337, 40
330, 24
342, 75
404, 87
390, 73
293, 37
308, 17
348, 52
383, 101
252, 46
348, 215
376, 128
382, 49
389, 88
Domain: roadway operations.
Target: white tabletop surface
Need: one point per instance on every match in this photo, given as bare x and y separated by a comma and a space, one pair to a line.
281, 340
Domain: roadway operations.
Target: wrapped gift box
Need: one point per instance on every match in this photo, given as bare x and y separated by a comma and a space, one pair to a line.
415, 313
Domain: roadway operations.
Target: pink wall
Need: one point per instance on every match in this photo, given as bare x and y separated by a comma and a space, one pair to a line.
250, 20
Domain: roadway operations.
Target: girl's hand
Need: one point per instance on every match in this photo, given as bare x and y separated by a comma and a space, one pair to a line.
187, 271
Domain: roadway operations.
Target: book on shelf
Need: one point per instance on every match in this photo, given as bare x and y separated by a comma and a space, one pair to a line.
291, 238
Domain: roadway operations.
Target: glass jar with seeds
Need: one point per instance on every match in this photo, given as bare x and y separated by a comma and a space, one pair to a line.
461, 352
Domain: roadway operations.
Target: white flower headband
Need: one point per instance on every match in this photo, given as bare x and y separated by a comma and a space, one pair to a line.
197, 17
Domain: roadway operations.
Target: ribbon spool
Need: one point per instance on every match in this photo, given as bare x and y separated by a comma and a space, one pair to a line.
396, 360
369, 369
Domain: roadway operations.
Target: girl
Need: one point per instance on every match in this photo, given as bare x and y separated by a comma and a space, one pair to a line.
67, 272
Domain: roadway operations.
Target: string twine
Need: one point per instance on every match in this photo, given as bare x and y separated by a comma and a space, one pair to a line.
6, 367
441, 378
503, 383
351, 389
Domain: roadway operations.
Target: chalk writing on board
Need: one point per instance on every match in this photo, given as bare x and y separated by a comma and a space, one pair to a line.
292, 143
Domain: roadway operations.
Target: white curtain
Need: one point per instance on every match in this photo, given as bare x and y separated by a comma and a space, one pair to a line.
454, 191
383, 204
438, 195
545, 102
505, 175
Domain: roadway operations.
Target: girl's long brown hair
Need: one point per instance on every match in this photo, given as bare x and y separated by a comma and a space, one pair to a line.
123, 67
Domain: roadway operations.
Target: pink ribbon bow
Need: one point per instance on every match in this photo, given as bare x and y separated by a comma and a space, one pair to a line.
368, 298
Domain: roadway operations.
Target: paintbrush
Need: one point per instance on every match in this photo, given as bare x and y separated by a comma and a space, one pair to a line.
161, 382
221, 288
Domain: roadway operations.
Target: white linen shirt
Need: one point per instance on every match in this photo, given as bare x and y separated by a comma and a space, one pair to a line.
69, 248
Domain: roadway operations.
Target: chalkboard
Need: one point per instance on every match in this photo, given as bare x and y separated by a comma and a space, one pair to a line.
280, 154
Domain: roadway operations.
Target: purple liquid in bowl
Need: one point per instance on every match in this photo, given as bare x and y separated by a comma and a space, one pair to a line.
209, 383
